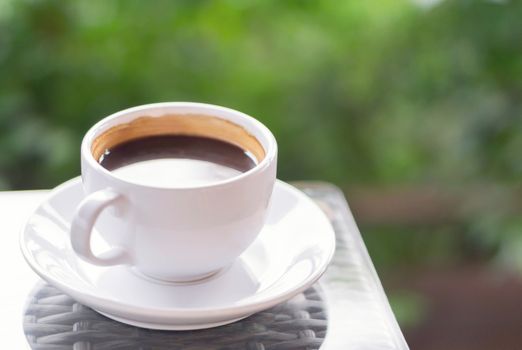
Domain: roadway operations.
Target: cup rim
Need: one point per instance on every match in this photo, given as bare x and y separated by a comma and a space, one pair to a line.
200, 108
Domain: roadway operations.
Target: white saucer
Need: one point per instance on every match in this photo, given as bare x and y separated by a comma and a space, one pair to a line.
290, 254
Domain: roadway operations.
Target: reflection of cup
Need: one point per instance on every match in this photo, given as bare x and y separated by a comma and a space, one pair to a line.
175, 233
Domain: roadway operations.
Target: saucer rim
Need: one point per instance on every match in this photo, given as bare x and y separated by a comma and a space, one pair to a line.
170, 326
139, 313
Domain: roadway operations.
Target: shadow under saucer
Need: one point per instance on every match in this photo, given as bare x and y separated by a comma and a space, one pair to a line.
53, 320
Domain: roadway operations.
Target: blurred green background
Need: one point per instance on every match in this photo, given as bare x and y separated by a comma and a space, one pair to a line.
413, 108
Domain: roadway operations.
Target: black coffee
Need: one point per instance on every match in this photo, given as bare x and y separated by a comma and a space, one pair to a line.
176, 160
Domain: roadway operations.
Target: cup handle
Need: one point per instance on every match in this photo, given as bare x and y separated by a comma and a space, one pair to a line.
81, 228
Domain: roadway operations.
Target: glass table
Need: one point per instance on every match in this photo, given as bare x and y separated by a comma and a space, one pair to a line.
346, 309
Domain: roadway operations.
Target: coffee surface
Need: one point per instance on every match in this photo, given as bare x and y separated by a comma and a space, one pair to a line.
176, 160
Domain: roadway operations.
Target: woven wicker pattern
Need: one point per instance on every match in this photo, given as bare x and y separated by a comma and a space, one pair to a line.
55, 321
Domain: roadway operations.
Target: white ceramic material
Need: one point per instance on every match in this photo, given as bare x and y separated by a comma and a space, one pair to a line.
290, 254
173, 234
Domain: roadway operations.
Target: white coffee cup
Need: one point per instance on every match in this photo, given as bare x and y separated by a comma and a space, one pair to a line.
174, 233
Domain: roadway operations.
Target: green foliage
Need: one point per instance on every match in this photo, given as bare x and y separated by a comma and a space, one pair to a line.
380, 92
356, 91
409, 308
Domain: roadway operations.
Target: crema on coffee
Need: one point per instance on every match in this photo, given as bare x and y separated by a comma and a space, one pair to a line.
177, 151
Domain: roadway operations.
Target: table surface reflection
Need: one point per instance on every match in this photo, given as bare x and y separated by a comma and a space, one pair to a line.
347, 309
